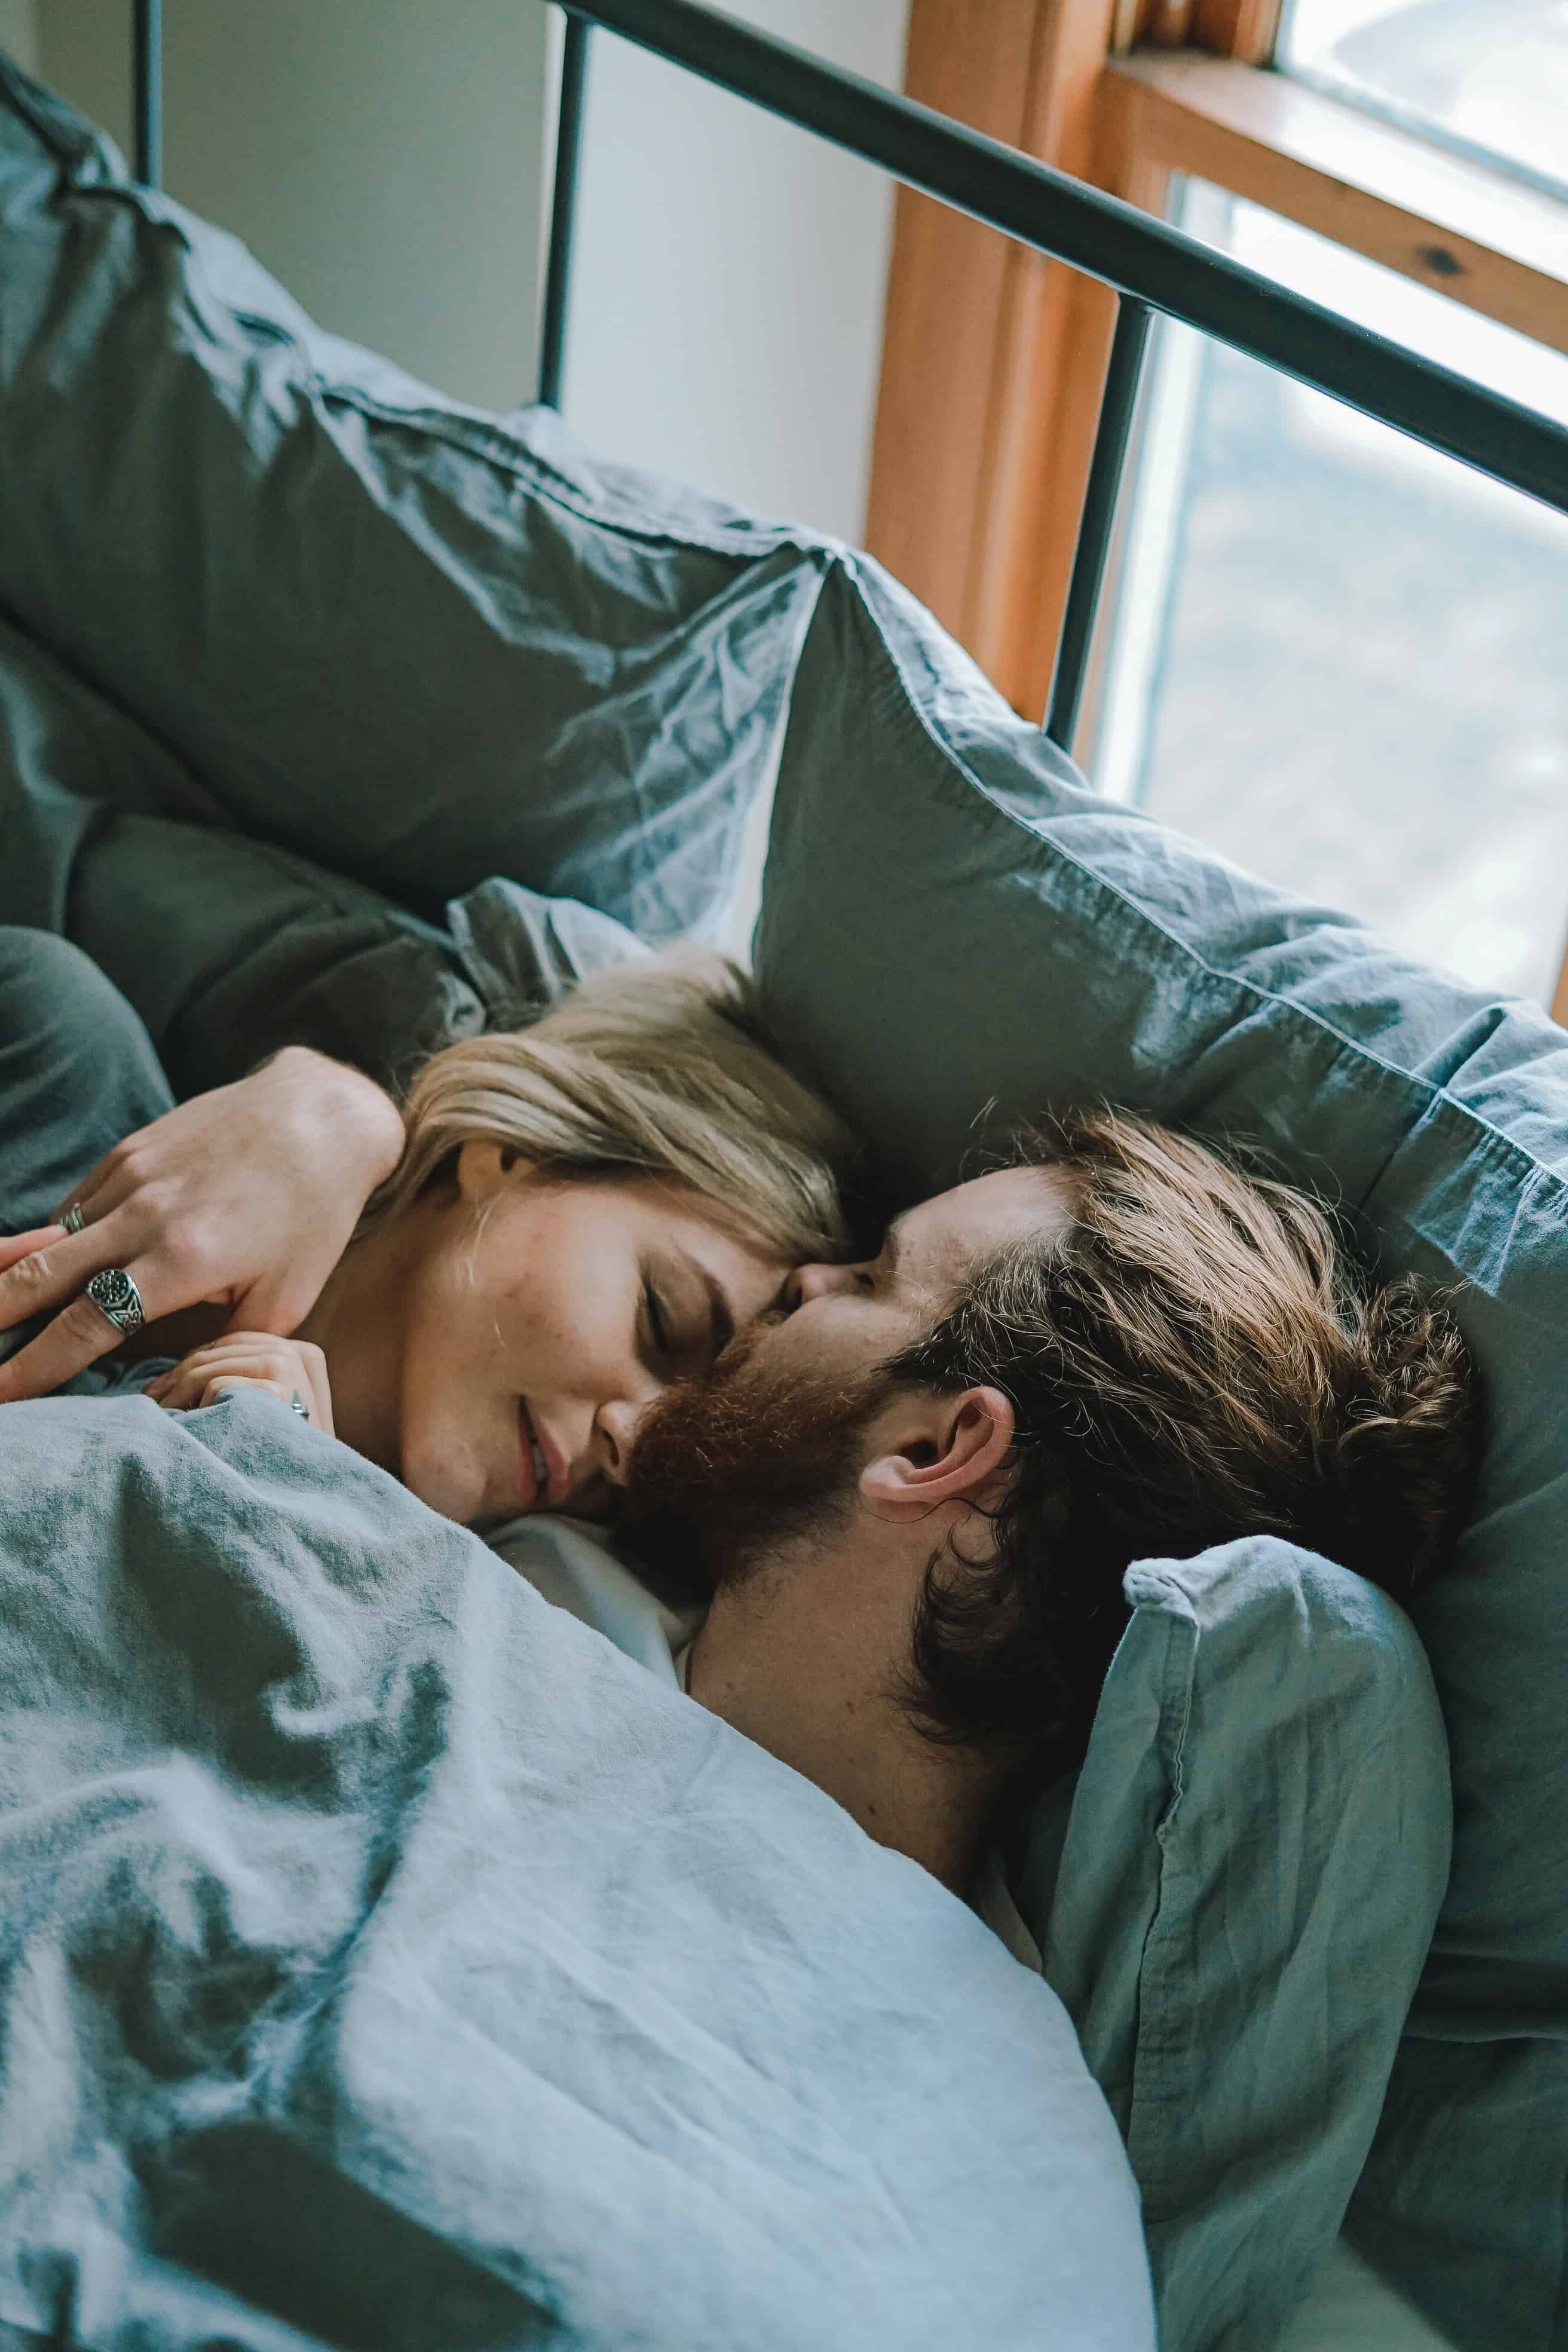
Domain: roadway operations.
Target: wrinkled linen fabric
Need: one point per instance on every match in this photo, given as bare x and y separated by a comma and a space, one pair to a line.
386, 1960
413, 642
229, 948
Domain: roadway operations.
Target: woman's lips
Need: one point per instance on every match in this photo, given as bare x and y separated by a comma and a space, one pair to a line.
529, 1481
541, 1475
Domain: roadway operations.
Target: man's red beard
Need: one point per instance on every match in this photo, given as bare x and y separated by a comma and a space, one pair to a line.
730, 1467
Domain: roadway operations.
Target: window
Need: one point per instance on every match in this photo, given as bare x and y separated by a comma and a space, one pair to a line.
1485, 78
1335, 654
1330, 652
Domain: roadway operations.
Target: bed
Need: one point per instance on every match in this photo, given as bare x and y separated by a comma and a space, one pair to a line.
252, 809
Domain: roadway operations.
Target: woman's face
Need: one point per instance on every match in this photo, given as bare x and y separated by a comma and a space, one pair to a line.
542, 1317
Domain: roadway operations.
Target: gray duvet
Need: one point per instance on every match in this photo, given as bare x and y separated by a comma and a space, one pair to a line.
386, 1960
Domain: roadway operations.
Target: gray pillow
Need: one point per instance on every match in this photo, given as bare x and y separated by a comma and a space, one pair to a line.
948, 917
229, 948
1253, 1859
417, 643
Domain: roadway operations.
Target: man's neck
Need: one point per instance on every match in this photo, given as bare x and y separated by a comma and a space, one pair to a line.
778, 1667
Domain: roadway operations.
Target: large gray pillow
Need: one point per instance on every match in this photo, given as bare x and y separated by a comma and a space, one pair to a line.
417, 643
1256, 1848
229, 948
949, 917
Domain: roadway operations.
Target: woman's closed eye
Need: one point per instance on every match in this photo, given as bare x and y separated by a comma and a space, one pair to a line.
675, 1336
658, 1324
685, 1319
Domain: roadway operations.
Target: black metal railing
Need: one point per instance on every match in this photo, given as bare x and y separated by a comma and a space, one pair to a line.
147, 95
1150, 264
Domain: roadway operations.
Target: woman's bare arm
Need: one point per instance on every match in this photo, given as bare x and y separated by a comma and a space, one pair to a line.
244, 1198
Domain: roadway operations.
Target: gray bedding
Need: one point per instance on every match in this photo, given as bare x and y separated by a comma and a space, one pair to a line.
433, 647
386, 1961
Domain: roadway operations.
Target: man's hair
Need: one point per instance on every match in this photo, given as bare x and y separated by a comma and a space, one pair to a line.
1199, 1358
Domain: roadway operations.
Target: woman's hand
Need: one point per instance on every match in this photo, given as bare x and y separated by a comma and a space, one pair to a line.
244, 1198
294, 1370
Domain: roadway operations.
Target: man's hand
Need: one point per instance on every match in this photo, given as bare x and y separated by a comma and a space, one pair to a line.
244, 1198
294, 1370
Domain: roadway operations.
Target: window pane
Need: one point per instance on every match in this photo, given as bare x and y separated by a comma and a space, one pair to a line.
1337, 655
1489, 77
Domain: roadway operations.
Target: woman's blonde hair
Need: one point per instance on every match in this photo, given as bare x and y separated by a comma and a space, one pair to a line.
660, 1069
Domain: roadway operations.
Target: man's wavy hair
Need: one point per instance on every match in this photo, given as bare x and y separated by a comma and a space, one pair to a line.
1201, 1356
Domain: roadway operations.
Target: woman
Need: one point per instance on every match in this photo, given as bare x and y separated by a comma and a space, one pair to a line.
579, 1212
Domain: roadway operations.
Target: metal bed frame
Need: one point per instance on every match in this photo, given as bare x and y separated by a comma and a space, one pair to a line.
1151, 265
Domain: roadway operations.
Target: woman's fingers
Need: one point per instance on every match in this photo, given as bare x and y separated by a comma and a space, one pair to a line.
182, 1389
289, 1368
244, 1198
18, 1245
44, 1269
51, 1269
58, 1276
96, 1196
229, 1381
108, 1186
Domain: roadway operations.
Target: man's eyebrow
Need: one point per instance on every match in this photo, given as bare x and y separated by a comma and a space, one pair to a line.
891, 1246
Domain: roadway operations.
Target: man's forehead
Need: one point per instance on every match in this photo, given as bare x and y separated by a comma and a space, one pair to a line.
936, 1242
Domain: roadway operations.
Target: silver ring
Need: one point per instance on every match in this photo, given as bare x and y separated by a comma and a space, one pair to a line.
295, 1405
73, 1220
114, 1294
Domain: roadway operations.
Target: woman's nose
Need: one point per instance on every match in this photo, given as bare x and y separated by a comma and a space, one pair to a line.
618, 1424
809, 1281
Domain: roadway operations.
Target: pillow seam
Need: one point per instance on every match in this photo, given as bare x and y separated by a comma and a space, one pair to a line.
1159, 2086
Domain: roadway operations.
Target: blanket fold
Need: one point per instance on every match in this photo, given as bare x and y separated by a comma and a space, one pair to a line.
386, 1960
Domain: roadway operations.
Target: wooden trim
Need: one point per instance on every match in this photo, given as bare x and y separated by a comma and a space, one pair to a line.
1168, 22
987, 352
1441, 219
994, 359
1243, 29
1076, 322
1129, 22
947, 293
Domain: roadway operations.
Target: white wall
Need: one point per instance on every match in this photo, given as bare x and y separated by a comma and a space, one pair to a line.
387, 159
727, 300
20, 32
383, 158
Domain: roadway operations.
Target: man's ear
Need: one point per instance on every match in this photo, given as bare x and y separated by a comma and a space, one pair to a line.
939, 1449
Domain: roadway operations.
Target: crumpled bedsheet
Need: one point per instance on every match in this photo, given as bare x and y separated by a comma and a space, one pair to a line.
387, 1961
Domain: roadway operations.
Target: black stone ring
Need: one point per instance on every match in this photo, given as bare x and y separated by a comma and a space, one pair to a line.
114, 1294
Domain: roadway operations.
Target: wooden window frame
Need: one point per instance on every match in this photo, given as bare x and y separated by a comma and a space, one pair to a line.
994, 359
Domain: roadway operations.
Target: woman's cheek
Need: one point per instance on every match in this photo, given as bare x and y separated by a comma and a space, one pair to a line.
440, 1463
444, 1482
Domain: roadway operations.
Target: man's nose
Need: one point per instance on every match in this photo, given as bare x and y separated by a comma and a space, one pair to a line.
809, 1281
617, 1423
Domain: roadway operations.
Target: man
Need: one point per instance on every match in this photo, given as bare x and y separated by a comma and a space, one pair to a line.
913, 1490
916, 1490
